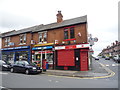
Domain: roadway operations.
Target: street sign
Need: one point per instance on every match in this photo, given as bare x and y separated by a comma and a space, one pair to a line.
95, 39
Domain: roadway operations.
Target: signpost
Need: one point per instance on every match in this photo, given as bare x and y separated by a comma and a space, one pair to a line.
91, 42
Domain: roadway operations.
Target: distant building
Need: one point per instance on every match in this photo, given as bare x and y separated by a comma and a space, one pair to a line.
64, 44
112, 51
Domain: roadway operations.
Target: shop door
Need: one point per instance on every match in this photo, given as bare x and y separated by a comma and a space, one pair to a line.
83, 61
77, 59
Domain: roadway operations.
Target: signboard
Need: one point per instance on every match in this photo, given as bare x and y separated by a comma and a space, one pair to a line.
22, 47
72, 46
46, 47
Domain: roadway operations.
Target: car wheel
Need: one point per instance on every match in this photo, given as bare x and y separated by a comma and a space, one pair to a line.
27, 71
11, 70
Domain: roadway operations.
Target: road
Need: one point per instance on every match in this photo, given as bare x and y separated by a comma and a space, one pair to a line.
18, 80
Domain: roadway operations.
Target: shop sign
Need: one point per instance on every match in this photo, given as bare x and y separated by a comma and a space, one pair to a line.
45, 44
22, 47
38, 48
72, 46
83, 46
45, 52
59, 47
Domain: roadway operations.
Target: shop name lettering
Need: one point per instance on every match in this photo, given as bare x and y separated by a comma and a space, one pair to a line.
15, 48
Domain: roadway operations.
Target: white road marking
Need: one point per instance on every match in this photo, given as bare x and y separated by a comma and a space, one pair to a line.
50, 80
114, 64
3, 73
107, 65
56, 81
1, 87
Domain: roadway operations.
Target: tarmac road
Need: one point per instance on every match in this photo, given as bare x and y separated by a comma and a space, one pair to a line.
18, 80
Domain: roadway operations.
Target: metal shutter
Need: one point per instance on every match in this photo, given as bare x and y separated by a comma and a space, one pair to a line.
66, 58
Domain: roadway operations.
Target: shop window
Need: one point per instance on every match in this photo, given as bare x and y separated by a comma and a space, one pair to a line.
23, 39
72, 35
7, 41
42, 37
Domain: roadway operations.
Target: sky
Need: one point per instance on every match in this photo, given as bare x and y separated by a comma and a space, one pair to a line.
102, 16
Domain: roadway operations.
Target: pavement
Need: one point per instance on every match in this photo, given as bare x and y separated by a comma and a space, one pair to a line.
98, 71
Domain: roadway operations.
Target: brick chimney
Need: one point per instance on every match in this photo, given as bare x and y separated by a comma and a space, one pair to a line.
116, 42
59, 17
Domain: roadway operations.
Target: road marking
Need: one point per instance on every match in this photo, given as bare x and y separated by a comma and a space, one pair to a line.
2, 87
107, 65
111, 74
56, 81
114, 64
3, 73
50, 80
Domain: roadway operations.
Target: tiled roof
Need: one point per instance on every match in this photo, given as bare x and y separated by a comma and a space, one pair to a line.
37, 28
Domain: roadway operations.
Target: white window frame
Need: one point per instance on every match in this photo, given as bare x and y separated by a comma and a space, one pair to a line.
23, 39
42, 35
7, 41
45, 36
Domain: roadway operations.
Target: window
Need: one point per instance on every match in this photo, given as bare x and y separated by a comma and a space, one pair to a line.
23, 39
7, 41
66, 34
69, 33
72, 33
42, 37
45, 37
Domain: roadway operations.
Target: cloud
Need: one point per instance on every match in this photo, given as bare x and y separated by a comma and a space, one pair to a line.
12, 21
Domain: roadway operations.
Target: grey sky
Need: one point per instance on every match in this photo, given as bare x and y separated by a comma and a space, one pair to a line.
102, 16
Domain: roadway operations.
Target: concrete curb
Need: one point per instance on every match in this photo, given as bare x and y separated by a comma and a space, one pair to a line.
109, 73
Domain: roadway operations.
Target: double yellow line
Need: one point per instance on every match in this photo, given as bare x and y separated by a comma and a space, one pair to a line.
107, 69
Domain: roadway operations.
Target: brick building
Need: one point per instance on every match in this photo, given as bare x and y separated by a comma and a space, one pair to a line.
112, 50
64, 44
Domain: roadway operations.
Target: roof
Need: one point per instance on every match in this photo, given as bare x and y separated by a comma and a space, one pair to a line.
38, 28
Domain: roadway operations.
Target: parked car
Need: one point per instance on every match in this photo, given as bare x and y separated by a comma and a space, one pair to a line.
25, 67
96, 58
116, 58
107, 58
4, 66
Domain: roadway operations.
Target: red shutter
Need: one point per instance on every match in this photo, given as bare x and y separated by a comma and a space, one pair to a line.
66, 58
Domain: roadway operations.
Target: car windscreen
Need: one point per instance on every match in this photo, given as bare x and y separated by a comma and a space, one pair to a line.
26, 63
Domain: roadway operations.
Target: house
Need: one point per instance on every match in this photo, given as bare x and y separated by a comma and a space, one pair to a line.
64, 44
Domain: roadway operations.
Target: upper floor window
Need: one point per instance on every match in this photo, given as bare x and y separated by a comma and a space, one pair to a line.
66, 34
23, 39
7, 41
42, 37
72, 35
69, 33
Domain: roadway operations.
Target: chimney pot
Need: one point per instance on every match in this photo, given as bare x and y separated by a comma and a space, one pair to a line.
59, 17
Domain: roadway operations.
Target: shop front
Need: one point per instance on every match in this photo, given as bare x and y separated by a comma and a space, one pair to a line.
72, 57
43, 53
11, 55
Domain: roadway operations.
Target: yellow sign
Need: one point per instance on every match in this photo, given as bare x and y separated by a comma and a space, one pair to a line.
43, 44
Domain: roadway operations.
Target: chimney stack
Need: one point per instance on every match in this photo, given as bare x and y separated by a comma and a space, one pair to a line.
116, 42
59, 17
